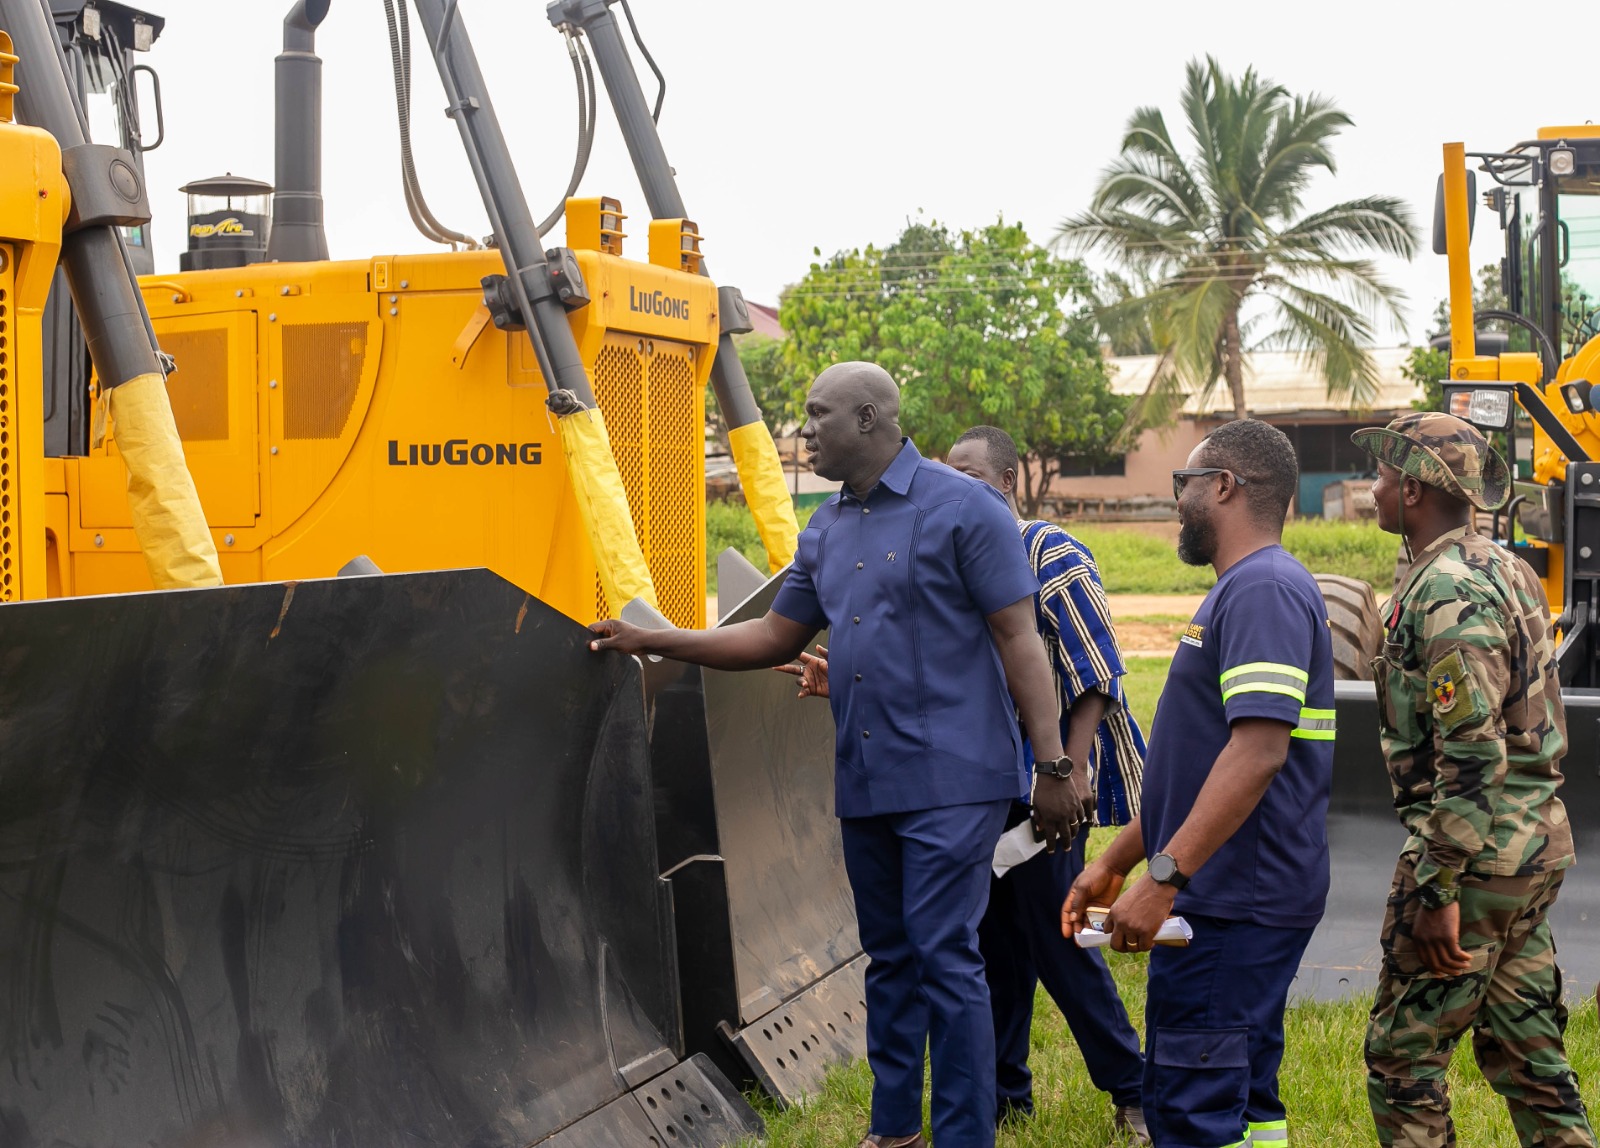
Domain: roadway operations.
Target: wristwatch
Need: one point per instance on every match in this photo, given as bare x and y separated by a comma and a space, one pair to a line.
1164, 871
1056, 767
1441, 891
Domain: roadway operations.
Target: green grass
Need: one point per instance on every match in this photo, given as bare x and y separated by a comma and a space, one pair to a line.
729, 524
1323, 1082
1132, 561
1143, 683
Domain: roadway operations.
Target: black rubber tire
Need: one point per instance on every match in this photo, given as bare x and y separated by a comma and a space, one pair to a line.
1357, 629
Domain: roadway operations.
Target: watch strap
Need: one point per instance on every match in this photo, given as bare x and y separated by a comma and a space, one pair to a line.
1055, 767
1176, 878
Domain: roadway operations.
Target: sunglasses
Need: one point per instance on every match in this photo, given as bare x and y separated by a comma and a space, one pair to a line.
1180, 478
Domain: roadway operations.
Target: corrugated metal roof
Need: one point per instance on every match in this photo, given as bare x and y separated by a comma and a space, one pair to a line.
1278, 383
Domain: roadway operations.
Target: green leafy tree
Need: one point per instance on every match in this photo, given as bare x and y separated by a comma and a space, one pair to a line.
1222, 235
980, 326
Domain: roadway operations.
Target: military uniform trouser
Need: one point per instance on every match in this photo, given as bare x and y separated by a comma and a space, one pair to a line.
1510, 998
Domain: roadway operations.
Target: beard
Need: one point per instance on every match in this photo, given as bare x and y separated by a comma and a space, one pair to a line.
1197, 539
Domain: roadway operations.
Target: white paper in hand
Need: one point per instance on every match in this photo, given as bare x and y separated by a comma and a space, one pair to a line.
1015, 846
1173, 931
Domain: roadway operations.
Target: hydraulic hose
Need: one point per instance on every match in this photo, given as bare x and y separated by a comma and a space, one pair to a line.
400, 59
583, 75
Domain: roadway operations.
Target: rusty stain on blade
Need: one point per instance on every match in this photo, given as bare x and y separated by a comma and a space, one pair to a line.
283, 611
522, 613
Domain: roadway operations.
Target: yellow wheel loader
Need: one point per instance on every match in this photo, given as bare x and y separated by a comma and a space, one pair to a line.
292, 858
1544, 193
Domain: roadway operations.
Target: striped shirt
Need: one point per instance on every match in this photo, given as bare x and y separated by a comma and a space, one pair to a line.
1075, 622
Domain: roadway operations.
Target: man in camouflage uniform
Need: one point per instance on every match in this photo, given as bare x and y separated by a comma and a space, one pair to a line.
1473, 732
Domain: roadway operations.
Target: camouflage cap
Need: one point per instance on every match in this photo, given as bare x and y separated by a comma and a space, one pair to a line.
1444, 451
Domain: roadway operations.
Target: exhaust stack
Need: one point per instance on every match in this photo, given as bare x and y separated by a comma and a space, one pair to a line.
297, 231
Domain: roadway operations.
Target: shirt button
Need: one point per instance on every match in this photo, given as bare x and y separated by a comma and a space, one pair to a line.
866, 733
856, 621
859, 565
866, 510
858, 677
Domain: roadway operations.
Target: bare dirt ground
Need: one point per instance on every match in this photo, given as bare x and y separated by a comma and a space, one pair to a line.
1148, 625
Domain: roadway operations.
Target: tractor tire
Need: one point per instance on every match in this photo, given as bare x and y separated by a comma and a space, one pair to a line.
1357, 630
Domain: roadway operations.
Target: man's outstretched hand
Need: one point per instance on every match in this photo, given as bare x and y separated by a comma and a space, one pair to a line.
615, 634
812, 670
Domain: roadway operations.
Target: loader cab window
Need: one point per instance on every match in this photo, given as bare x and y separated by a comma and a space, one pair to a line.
107, 80
1524, 251
1578, 247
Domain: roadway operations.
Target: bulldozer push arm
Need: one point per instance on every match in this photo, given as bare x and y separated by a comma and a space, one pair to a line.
755, 456
107, 191
527, 297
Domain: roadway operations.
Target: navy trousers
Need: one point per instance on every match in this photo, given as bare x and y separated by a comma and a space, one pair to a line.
921, 881
1214, 1031
1020, 938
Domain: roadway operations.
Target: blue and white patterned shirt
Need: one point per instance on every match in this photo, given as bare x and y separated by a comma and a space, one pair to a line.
1075, 622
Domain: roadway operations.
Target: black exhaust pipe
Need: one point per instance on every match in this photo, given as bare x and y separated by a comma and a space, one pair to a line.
297, 231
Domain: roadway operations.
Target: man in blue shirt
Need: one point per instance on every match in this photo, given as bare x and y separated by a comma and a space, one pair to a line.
1235, 805
1020, 935
921, 576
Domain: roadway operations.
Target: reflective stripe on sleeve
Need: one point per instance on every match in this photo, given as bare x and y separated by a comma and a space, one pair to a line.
1316, 725
1265, 678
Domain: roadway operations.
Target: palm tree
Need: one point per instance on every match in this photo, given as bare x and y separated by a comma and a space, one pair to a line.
1221, 238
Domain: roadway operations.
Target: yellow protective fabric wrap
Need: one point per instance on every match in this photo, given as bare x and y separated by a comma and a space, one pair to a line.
761, 478
167, 518
597, 485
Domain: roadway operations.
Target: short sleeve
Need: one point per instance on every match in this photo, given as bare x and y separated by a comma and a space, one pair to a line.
797, 598
1077, 617
1265, 634
990, 554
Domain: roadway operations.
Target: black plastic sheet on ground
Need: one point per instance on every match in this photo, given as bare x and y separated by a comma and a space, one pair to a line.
357, 862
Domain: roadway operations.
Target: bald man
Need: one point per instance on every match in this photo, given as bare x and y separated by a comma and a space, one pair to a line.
922, 578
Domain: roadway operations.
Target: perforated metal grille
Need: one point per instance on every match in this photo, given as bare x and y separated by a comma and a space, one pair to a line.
655, 416
198, 388
321, 374
9, 588
676, 469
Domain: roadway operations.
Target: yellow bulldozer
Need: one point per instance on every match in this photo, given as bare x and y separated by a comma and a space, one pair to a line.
292, 858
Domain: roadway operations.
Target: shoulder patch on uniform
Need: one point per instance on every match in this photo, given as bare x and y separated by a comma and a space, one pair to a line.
1452, 690
1445, 679
1193, 635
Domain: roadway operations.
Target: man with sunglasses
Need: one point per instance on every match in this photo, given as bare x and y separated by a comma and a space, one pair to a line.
1234, 810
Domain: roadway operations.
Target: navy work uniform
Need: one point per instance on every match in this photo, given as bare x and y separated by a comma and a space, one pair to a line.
1258, 648
929, 758
1020, 935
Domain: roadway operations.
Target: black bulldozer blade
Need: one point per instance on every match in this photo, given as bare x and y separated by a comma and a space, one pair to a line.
770, 963
343, 863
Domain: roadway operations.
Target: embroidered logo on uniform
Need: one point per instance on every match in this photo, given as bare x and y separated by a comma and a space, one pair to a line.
891, 556
1444, 692
1193, 636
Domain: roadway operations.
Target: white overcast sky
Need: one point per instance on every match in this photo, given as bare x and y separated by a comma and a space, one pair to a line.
827, 123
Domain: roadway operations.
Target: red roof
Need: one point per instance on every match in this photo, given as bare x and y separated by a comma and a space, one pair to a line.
764, 320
